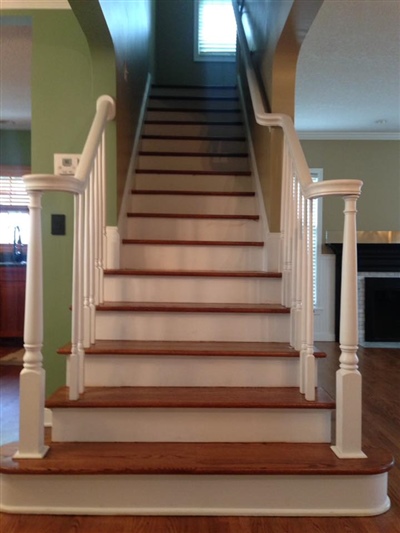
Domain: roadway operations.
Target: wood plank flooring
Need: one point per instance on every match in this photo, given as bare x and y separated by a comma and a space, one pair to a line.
381, 427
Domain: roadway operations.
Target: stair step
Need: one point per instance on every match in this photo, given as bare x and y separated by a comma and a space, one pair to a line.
188, 162
175, 348
192, 257
192, 321
193, 216
194, 117
176, 242
194, 93
203, 182
193, 202
191, 397
179, 307
195, 479
191, 286
199, 129
191, 414
193, 103
190, 364
182, 145
283, 458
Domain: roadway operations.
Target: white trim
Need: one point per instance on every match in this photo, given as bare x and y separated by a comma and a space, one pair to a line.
349, 135
34, 4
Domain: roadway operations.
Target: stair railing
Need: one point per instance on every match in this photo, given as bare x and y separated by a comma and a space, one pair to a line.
298, 195
88, 187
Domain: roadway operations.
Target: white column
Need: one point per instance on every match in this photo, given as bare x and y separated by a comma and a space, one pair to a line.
348, 378
32, 377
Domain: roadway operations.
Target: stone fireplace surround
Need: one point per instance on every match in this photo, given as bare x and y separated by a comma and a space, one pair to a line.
378, 256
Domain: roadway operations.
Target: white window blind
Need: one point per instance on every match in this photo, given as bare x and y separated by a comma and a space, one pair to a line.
215, 29
13, 195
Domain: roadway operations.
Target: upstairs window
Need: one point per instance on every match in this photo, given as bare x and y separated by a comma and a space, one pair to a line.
215, 31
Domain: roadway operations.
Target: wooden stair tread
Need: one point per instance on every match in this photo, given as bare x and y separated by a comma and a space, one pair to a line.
178, 242
191, 348
192, 193
183, 307
195, 137
233, 173
205, 111
191, 397
197, 216
194, 154
194, 273
205, 122
163, 458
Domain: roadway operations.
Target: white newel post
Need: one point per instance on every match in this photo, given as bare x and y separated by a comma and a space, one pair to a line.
32, 377
348, 378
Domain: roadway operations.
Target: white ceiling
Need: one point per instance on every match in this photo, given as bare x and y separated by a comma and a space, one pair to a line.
348, 70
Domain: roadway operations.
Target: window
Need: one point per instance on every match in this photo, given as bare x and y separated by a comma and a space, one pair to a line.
215, 31
13, 205
316, 175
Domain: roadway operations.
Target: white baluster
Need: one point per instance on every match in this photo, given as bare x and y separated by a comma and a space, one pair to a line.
91, 262
103, 236
32, 377
86, 273
348, 378
310, 370
73, 380
81, 350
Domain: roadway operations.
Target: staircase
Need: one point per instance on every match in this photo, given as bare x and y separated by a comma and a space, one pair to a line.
192, 402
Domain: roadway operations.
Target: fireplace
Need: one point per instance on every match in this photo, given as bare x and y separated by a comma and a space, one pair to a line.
377, 260
382, 305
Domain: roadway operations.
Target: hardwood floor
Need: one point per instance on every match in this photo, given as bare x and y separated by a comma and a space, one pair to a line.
381, 427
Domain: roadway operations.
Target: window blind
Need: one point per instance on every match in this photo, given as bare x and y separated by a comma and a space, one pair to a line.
13, 195
216, 28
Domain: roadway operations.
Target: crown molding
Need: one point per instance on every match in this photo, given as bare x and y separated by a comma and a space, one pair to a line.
349, 135
34, 4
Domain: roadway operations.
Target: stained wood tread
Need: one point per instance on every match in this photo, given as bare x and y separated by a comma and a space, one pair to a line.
191, 348
182, 307
193, 216
194, 154
167, 172
191, 397
163, 458
204, 122
176, 242
196, 98
246, 194
193, 110
195, 137
192, 273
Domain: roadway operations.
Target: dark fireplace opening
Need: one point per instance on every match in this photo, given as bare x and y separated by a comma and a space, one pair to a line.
382, 309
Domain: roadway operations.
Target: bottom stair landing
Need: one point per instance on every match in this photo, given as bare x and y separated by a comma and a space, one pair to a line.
195, 479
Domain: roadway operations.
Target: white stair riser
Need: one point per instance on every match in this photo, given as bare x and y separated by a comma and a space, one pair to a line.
191, 289
193, 229
190, 425
190, 371
193, 92
164, 103
225, 495
201, 130
171, 257
196, 205
194, 116
186, 182
125, 325
187, 163
220, 146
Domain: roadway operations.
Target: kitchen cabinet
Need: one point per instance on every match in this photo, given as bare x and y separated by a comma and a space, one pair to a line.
12, 300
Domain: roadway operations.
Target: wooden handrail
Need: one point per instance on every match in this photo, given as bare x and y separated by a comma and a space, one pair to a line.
298, 195
88, 188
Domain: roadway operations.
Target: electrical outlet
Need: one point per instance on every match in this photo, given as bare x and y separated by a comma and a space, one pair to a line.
66, 164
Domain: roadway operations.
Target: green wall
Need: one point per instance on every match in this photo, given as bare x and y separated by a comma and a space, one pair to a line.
377, 164
174, 49
15, 147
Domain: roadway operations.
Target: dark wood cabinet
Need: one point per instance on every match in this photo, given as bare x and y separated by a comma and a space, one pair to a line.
12, 300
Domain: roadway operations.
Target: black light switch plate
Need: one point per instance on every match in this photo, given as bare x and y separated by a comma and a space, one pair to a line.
58, 224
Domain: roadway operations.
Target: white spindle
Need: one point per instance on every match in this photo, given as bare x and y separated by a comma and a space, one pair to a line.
32, 377
91, 264
73, 378
310, 374
86, 273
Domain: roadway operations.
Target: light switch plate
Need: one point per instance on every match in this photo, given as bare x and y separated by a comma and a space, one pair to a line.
66, 164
